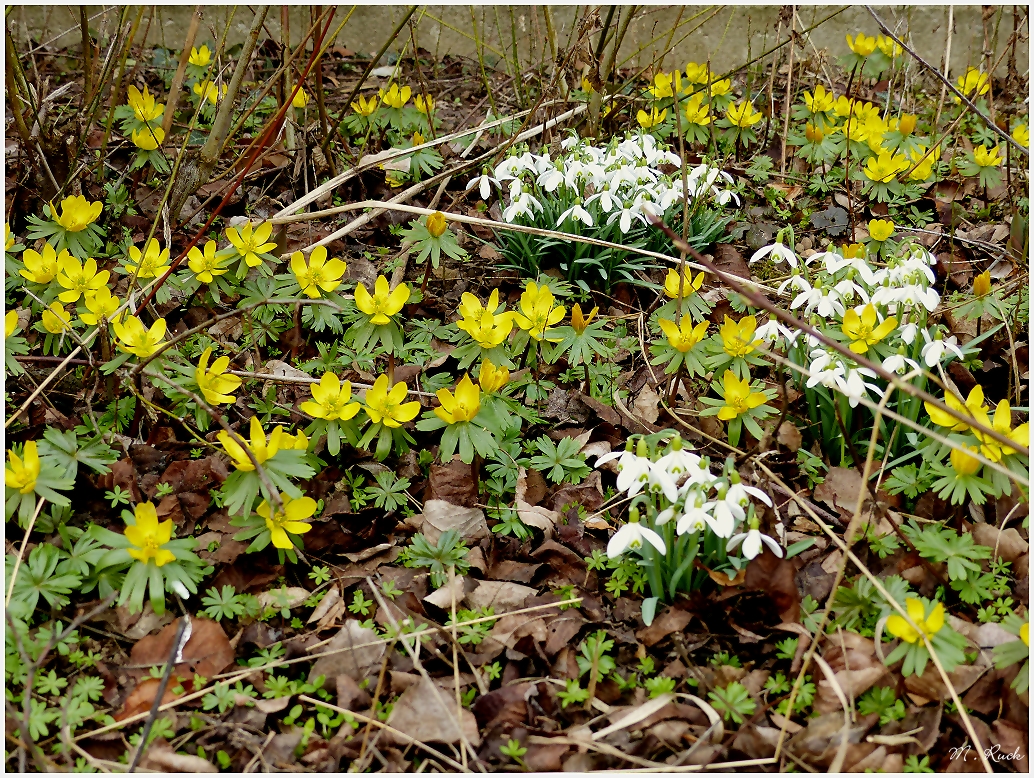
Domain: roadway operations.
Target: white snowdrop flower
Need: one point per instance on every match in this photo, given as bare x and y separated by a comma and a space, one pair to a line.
899, 364
605, 198
484, 183
726, 196
524, 205
634, 476
752, 540
721, 518
624, 217
797, 282
179, 588
847, 289
778, 252
934, 350
908, 332
659, 480
678, 461
578, 213
631, 537
665, 516
693, 520
550, 179
829, 305
854, 386
741, 494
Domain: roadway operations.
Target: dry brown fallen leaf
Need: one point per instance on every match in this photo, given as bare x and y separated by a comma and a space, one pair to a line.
503, 596
422, 713
347, 660
207, 652
440, 516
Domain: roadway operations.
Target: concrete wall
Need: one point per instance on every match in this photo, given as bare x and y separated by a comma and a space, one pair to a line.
728, 35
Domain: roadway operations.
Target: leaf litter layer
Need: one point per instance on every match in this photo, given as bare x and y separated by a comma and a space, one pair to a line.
516, 415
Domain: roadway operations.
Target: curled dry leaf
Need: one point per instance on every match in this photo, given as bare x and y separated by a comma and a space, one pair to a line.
440, 516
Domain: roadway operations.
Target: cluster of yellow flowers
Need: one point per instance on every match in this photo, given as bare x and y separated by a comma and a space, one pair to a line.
149, 112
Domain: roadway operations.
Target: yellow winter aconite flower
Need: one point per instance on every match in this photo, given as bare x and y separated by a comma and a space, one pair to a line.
364, 107
331, 399
204, 263
1025, 633
487, 328
151, 263
652, 119
974, 407
925, 161
683, 336
437, 224
885, 167
424, 104
1021, 134
820, 102
56, 319
743, 115
985, 157
144, 106
464, 406
42, 268
148, 536
888, 46
738, 337
665, 85
79, 279
259, 446
863, 331
982, 284
1002, 424
100, 305
813, 134
22, 471
688, 283
77, 213
395, 97
972, 81
492, 378
721, 88
10, 323
319, 274
880, 229
148, 138
250, 241
697, 73
384, 303
905, 125
862, 44
738, 397
8, 237
299, 442
537, 311
384, 405
292, 519
696, 110
300, 99
134, 338
843, 106
928, 625
579, 320
200, 57
963, 463
214, 383
206, 90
